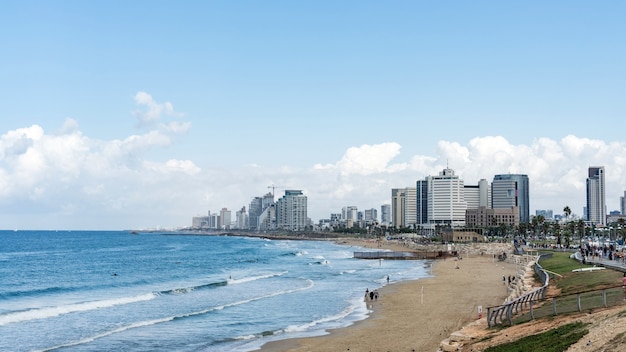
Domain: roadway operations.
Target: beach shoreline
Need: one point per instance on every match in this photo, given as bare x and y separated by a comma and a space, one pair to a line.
419, 314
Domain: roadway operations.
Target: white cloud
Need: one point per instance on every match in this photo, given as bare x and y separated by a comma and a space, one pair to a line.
152, 112
366, 159
69, 180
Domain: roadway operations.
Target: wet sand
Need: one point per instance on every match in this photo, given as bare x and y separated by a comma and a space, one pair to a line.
418, 315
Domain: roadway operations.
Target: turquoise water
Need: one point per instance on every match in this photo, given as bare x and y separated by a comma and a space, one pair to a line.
95, 291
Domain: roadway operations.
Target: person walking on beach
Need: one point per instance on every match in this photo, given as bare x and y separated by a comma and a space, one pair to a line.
387, 278
367, 292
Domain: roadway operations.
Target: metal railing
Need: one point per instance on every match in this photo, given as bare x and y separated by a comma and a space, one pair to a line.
505, 312
535, 304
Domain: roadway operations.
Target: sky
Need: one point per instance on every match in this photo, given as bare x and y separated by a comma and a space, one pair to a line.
143, 114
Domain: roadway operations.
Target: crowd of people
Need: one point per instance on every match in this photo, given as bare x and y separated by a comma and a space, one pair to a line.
371, 295
596, 252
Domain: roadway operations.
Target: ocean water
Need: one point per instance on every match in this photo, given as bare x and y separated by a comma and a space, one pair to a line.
103, 291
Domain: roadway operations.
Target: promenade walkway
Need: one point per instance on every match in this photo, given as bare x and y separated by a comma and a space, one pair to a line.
602, 261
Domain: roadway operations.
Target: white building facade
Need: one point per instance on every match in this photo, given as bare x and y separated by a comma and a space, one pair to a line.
291, 211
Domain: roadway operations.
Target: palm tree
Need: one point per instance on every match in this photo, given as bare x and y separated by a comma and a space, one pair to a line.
540, 220
557, 231
534, 222
567, 212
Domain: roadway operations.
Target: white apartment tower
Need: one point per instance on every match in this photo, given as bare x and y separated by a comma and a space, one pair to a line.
596, 196
291, 211
349, 213
441, 200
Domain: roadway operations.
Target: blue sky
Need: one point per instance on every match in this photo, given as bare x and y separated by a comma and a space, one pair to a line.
136, 114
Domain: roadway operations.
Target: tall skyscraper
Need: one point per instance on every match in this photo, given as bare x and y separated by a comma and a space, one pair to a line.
596, 196
258, 205
241, 219
385, 214
349, 213
225, 219
511, 190
255, 210
440, 200
622, 203
403, 206
291, 211
371, 216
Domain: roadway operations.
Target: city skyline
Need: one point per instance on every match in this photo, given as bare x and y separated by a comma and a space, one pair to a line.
135, 115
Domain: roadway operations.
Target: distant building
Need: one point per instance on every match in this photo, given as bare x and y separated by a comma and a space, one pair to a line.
462, 235
403, 207
200, 222
511, 190
349, 213
596, 196
370, 216
225, 219
547, 214
385, 214
291, 211
441, 200
477, 195
241, 219
267, 219
255, 210
622, 202
484, 217
257, 207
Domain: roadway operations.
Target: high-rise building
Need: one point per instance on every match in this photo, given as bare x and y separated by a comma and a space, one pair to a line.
225, 219
511, 190
397, 206
291, 211
349, 213
241, 219
403, 205
421, 202
385, 214
257, 207
410, 207
370, 216
267, 219
255, 210
596, 196
477, 195
622, 203
446, 200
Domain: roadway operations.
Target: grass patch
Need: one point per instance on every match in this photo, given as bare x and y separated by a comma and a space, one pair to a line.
571, 282
555, 340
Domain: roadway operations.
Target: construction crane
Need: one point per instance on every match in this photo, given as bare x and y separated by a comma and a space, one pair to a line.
273, 188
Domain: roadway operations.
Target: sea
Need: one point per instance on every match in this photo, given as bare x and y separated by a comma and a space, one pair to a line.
121, 291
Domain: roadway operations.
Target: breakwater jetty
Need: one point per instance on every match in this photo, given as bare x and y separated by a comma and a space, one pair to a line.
405, 255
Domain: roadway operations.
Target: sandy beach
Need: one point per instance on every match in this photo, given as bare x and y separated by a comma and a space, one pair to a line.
418, 315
